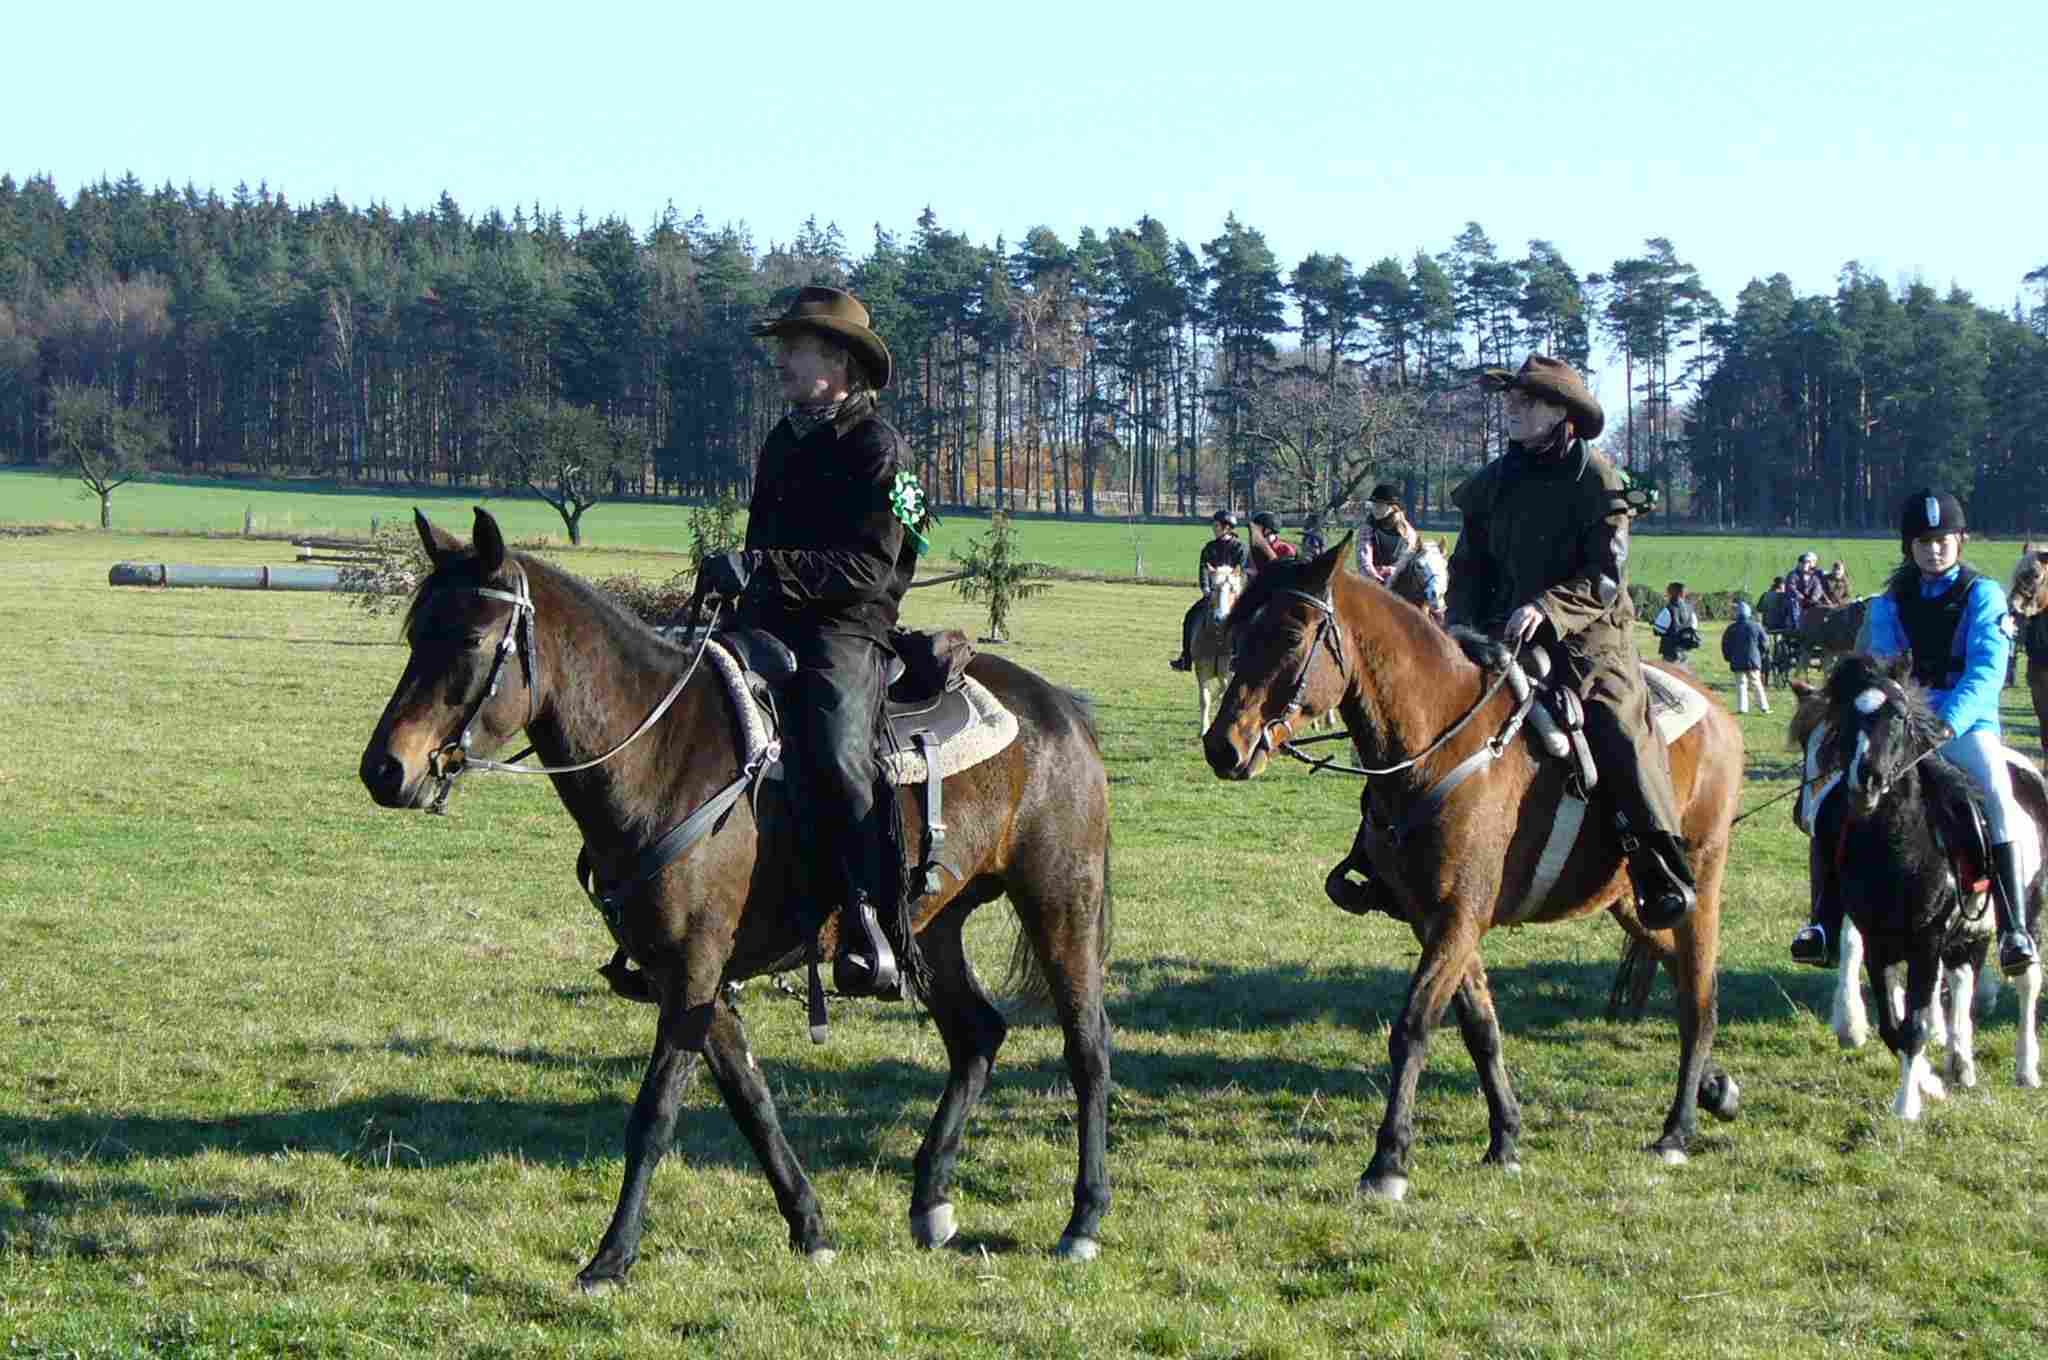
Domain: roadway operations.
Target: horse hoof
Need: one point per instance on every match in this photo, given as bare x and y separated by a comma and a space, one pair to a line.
2030, 1080
1672, 1156
934, 1227
1392, 1189
821, 1256
1724, 1103
1077, 1249
1510, 1168
596, 1286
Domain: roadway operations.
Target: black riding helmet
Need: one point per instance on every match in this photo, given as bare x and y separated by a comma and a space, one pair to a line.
1227, 518
1928, 511
1268, 521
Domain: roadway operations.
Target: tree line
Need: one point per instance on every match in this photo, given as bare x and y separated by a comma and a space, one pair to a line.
1126, 371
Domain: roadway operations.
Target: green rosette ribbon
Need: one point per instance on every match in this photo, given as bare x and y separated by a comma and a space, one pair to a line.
906, 498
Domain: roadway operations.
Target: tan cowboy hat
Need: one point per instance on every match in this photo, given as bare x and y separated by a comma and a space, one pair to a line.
1554, 381
840, 315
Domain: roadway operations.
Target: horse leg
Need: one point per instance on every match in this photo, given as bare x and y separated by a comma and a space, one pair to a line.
648, 1130
1481, 1028
1446, 958
1696, 946
972, 1029
1851, 1021
1062, 900
1962, 1037
2026, 1041
1916, 1074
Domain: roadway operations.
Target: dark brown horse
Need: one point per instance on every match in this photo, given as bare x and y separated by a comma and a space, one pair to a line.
1830, 631
1031, 823
1319, 638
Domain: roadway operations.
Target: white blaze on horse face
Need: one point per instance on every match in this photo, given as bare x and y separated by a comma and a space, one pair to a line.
1855, 776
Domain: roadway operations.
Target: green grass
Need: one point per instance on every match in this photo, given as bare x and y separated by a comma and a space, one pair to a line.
287, 1074
1101, 548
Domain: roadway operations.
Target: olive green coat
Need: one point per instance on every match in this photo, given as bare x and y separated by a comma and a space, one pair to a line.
1554, 533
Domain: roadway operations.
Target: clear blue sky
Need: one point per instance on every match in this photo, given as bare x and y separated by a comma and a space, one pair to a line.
1760, 138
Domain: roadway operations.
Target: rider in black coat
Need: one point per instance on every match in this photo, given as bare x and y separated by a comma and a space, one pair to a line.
832, 542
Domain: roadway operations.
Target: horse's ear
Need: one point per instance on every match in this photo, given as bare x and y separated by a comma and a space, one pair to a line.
1325, 568
438, 542
490, 544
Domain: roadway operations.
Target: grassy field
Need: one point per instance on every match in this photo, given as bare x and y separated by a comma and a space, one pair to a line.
287, 1074
1705, 563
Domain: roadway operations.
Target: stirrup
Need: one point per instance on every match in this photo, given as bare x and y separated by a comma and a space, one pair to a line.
625, 980
1181, 664
2016, 953
1812, 947
869, 968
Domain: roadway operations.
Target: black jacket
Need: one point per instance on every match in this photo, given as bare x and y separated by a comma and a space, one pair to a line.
832, 556
1743, 646
1227, 551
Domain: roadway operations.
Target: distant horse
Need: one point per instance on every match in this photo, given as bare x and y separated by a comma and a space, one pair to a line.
1222, 583
1828, 632
1031, 822
1454, 859
1424, 580
2028, 600
1886, 835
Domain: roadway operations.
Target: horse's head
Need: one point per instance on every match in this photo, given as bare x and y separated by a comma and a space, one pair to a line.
1222, 583
1290, 664
471, 669
2029, 593
1878, 726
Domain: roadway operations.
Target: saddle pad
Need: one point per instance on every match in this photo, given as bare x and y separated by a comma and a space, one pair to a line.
994, 728
1675, 706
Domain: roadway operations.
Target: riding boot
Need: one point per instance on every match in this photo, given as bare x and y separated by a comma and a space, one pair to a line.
626, 980
1819, 942
1663, 876
2016, 952
1186, 660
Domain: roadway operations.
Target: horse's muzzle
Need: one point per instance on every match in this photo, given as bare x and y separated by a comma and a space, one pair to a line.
385, 777
1225, 759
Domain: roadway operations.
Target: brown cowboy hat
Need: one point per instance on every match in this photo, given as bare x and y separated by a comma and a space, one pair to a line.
839, 314
1554, 381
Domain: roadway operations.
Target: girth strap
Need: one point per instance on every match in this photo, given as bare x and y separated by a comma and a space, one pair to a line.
934, 816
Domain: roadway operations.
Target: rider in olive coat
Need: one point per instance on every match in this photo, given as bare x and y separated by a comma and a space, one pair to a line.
1542, 559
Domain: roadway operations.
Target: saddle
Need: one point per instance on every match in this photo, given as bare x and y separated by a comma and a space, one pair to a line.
936, 719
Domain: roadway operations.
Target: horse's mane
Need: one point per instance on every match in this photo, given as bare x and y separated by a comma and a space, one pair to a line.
638, 643
1420, 635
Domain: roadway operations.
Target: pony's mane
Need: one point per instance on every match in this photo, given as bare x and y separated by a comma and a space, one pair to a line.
1853, 675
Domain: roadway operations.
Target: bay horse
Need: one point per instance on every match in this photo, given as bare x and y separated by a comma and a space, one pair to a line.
1884, 832
1031, 823
1453, 863
1222, 583
2028, 600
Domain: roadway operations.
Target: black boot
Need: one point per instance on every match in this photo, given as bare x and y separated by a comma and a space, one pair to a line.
2016, 952
1662, 874
1814, 946
865, 964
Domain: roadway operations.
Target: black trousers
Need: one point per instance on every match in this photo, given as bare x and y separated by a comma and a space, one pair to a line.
834, 705
1188, 624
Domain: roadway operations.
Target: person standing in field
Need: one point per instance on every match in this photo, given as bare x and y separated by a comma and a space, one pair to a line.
1389, 539
1677, 625
1224, 548
1542, 561
1743, 647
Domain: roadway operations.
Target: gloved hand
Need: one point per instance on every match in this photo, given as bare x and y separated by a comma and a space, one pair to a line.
725, 574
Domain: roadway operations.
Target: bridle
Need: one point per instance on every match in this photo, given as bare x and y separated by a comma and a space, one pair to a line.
448, 762
1329, 634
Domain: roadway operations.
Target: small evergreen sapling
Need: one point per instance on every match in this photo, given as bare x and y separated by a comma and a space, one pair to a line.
998, 576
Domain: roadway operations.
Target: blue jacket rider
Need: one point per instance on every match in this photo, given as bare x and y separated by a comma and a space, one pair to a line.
1952, 619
